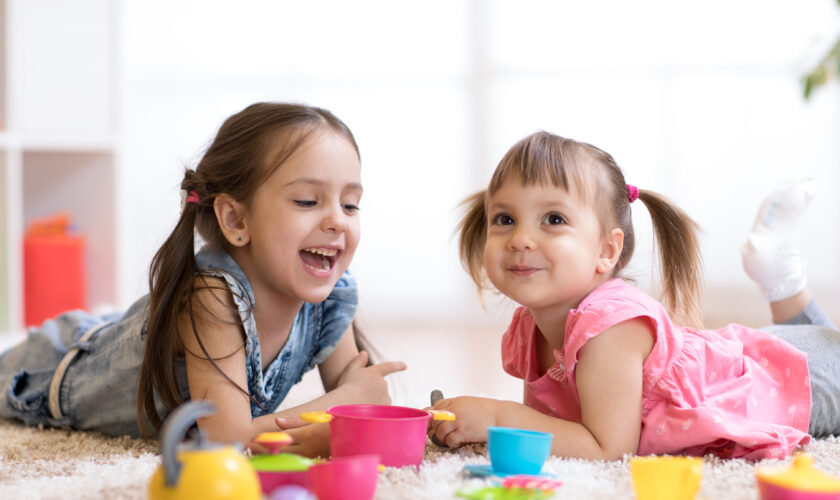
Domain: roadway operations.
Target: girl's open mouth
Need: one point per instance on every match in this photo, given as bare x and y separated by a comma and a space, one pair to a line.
319, 258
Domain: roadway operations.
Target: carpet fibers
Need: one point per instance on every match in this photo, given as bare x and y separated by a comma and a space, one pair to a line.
50, 463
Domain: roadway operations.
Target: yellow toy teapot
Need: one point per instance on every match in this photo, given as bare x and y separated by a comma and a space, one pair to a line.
201, 470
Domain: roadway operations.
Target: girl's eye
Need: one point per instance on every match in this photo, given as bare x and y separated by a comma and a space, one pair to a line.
305, 203
350, 209
554, 219
503, 220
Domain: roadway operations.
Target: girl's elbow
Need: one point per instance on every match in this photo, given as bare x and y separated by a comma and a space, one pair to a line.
615, 454
610, 453
229, 434
607, 450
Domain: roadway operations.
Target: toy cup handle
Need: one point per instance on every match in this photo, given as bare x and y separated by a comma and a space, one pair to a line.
315, 417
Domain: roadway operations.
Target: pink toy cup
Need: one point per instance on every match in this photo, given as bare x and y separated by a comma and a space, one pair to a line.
345, 478
396, 433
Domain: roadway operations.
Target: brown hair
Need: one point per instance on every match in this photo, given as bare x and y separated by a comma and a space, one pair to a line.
547, 158
240, 158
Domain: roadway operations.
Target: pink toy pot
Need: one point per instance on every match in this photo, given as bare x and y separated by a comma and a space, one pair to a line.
396, 433
281, 469
345, 478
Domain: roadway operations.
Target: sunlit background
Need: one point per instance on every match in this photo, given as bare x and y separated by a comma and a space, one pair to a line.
701, 101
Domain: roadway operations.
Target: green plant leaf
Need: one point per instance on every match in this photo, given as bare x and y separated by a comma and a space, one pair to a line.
827, 69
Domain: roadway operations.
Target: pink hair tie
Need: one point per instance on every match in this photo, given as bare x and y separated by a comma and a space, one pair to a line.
191, 197
632, 193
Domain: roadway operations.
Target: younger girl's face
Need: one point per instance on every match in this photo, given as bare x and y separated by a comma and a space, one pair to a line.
543, 244
304, 220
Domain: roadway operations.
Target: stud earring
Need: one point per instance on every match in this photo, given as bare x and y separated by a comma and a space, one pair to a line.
239, 238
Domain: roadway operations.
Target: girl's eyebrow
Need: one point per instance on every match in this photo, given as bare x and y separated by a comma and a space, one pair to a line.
498, 206
319, 182
545, 205
556, 205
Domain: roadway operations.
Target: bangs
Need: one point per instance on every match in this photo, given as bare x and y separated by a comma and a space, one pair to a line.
547, 159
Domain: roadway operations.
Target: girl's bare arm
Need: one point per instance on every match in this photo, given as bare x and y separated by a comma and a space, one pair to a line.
609, 382
225, 384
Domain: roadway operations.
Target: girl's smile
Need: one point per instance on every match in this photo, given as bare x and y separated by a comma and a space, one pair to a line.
319, 262
523, 270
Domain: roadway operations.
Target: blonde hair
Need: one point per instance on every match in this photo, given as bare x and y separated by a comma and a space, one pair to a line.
542, 158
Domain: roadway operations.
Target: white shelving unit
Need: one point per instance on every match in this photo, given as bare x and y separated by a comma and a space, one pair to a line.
58, 147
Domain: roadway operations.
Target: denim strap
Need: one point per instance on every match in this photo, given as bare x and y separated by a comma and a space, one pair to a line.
58, 376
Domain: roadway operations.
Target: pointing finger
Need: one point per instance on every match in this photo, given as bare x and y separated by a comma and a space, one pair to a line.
389, 367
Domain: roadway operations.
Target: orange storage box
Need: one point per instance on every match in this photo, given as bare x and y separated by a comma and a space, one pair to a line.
53, 270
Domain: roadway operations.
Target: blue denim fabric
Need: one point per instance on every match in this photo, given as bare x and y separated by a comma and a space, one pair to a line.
99, 389
316, 331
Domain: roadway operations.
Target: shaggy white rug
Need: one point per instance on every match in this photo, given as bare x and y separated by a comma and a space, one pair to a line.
49, 463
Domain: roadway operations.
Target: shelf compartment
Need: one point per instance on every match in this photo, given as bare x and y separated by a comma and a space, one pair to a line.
81, 184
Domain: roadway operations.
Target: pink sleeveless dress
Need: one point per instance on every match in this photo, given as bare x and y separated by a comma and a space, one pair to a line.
733, 392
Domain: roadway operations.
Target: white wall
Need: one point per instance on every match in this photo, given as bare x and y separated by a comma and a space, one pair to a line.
701, 101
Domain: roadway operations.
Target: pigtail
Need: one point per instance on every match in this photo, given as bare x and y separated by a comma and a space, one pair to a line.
170, 282
679, 255
472, 231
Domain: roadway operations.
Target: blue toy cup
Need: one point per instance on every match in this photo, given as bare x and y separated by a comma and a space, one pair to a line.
517, 451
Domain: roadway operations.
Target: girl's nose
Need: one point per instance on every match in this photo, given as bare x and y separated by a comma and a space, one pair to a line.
520, 240
334, 221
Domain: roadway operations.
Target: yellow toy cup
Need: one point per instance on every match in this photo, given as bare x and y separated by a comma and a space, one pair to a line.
666, 477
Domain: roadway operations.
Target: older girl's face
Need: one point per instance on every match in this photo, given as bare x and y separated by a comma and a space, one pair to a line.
304, 220
543, 244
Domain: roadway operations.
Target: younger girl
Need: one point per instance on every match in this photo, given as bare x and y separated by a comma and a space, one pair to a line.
276, 199
609, 370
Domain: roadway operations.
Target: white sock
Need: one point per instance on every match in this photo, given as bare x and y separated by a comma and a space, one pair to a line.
771, 254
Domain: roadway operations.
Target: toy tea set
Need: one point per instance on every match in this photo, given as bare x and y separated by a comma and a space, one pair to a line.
678, 478
517, 457
363, 438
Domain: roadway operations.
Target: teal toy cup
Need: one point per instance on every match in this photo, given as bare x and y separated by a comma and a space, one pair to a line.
517, 451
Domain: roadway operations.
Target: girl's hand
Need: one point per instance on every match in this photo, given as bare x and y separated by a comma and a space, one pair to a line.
311, 440
472, 418
367, 383
283, 424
